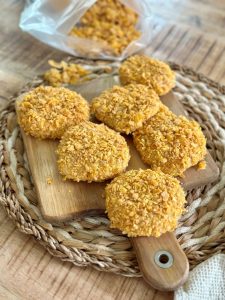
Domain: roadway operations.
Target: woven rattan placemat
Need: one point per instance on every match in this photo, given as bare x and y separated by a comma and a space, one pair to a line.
89, 240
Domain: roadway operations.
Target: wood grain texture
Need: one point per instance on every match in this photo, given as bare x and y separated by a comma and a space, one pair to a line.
163, 279
29, 272
61, 200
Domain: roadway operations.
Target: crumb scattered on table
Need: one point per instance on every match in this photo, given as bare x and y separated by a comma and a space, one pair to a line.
49, 180
201, 165
64, 73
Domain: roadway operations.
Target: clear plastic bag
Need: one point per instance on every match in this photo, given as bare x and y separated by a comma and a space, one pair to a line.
50, 21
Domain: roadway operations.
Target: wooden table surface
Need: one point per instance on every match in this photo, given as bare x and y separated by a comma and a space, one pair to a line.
188, 32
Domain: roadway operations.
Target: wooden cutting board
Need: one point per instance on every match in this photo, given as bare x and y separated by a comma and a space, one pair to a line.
161, 260
62, 200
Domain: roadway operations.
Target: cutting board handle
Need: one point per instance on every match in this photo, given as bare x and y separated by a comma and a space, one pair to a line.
162, 262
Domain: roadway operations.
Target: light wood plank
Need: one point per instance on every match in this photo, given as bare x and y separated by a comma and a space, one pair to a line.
30, 272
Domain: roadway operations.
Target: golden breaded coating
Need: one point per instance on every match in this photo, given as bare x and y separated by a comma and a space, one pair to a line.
151, 72
46, 112
126, 108
92, 152
170, 143
144, 203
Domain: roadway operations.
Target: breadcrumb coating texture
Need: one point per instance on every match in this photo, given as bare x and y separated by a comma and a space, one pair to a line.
126, 108
46, 112
170, 143
64, 73
151, 72
109, 22
92, 152
144, 203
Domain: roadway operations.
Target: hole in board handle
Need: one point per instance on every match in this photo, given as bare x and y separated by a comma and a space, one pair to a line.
163, 259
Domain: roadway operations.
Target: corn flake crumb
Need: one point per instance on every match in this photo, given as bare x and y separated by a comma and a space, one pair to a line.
144, 203
126, 108
46, 112
64, 73
109, 22
92, 152
148, 71
112, 11
201, 165
170, 143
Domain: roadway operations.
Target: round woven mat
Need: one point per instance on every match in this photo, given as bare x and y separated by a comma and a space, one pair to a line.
89, 240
